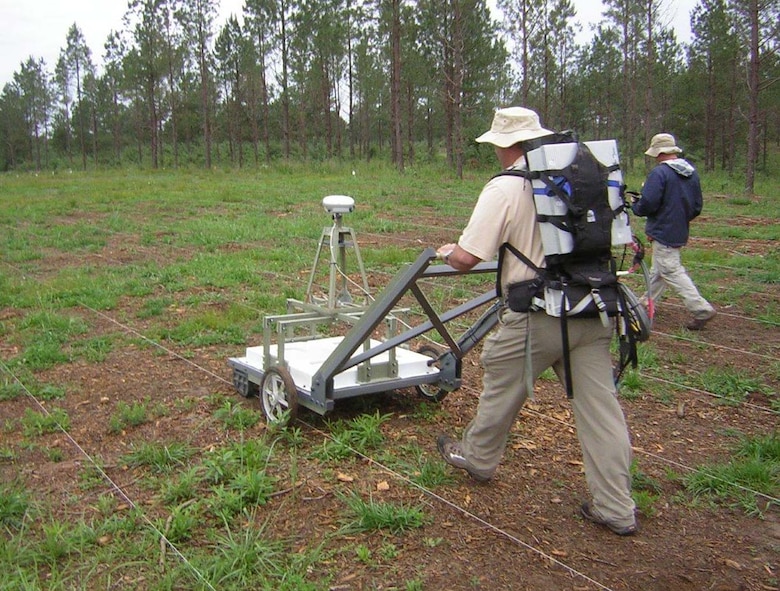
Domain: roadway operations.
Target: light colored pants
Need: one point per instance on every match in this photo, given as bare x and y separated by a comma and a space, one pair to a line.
601, 426
667, 270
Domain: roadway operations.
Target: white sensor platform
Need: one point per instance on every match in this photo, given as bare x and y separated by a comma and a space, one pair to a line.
304, 359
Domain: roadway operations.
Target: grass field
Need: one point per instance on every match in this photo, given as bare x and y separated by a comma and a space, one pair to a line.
127, 461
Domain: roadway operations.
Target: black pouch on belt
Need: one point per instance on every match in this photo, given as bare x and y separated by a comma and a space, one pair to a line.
520, 295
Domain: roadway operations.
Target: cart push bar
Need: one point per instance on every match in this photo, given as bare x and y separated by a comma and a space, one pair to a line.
449, 376
280, 395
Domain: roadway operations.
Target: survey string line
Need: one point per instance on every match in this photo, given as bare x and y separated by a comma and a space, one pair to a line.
104, 475
756, 407
642, 451
468, 389
641, 372
431, 493
375, 462
125, 496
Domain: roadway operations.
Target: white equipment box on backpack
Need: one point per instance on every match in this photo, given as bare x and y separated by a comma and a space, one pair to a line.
557, 157
582, 216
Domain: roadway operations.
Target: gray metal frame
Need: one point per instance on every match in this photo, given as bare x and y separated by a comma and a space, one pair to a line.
364, 321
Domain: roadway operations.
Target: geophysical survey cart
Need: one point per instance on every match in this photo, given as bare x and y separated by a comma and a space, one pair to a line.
339, 346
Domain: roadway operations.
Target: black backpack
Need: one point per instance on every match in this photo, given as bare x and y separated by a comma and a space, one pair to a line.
579, 279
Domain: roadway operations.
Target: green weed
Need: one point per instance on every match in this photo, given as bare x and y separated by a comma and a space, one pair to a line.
154, 307
748, 481
49, 392
7, 454
363, 553
15, 505
181, 524
645, 490
38, 423
362, 434
388, 552
9, 390
182, 488
252, 559
235, 416
160, 458
377, 515
731, 386
422, 470
432, 542
128, 415
44, 354
239, 478
91, 475
631, 385
94, 350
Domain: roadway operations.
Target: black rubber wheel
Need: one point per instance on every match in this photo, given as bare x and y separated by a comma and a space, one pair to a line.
279, 396
243, 385
431, 392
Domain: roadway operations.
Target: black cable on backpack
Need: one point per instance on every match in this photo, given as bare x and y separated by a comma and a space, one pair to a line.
565, 343
626, 342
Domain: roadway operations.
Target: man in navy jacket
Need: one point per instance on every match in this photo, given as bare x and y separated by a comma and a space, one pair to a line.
671, 198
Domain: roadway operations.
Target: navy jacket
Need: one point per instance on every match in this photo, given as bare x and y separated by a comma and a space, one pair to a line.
671, 198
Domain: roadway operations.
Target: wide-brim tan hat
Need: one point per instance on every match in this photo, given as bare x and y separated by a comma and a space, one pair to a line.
513, 125
663, 143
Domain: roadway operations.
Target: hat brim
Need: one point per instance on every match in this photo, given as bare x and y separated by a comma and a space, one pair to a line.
654, 152
505, 140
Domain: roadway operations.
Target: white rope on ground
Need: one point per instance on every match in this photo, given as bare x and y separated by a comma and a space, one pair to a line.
721, 312
715, 346
644, 452
151, 342
454, 505
462, 510
433, 495
757, 407
371, 460
114, 486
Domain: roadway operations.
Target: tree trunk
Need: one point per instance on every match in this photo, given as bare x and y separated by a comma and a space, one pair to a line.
395, 87
285, 81
458, 42
81, 119
152, 120
649, 78
410, 96
753, 93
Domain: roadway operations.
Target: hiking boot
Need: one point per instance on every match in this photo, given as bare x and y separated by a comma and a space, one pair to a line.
450, 450
587, 512
700, 323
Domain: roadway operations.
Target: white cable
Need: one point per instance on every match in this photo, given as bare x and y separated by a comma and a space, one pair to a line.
107, 478
373, 461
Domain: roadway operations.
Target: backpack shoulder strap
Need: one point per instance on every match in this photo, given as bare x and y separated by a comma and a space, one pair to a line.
529, 175
526, 174
502, 252
528, 262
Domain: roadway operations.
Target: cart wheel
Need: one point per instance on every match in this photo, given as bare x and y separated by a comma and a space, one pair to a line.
243, 386
279, 396
431, 391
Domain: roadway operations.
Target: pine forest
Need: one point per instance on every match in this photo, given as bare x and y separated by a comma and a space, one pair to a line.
400, 80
